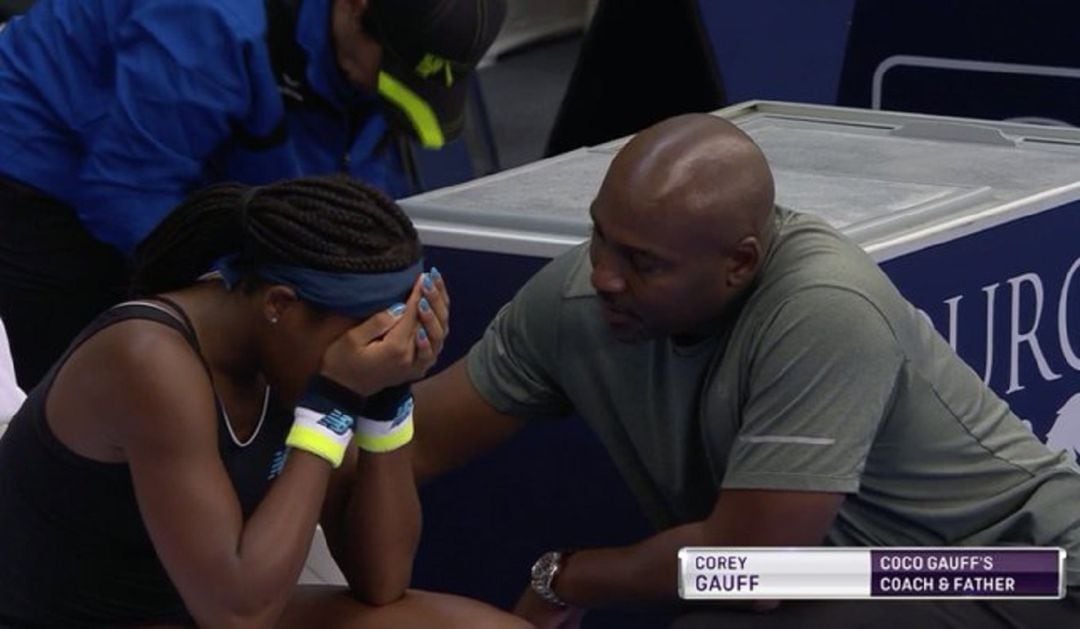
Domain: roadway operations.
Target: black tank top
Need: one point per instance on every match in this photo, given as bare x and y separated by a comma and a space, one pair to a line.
73, 548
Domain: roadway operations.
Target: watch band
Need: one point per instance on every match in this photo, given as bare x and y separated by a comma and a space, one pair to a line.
543, 575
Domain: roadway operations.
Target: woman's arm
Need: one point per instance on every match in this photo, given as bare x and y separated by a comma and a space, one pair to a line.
372, 523
161, 409
158, 406
371, 517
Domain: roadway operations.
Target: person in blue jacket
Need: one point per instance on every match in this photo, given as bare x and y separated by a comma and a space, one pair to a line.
111, 111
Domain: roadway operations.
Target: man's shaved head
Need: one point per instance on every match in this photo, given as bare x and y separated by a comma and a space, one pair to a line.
703, 165
682, 222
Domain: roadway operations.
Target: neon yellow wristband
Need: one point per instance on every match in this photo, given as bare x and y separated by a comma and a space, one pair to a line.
380, 437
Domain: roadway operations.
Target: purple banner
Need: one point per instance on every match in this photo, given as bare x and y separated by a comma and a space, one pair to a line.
974, 573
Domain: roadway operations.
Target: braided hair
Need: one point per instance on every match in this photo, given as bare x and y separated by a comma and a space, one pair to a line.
332, 223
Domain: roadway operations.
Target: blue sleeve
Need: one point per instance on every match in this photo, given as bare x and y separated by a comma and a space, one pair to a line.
187, 76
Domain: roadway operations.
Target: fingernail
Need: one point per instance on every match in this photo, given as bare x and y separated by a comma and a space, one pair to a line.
434, 273
421, 334
428, 284
424, 305
397, 309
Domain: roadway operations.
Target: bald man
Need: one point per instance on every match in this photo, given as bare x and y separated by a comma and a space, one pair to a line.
758, 381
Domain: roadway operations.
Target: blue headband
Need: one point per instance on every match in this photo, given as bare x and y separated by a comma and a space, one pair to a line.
357, 295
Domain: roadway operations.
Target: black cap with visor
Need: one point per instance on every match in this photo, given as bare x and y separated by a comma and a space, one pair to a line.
430, 48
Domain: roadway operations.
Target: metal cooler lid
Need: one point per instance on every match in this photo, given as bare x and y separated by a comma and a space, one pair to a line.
883, 178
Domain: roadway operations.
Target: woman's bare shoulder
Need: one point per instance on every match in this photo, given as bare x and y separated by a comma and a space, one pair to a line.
133, 379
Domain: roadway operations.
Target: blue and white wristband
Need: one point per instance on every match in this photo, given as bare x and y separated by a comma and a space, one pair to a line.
323, 434
324, 420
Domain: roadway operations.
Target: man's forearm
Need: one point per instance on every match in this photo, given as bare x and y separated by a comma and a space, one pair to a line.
646, 572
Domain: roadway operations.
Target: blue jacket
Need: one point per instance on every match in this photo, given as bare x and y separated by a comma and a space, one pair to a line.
119, 108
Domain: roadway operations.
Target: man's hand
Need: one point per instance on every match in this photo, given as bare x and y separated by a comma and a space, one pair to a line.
544, 615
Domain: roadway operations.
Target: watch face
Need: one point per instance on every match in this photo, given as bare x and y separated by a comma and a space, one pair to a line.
538, 569
543, 572
544, 568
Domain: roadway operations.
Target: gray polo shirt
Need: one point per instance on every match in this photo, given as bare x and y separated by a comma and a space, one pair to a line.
826, 379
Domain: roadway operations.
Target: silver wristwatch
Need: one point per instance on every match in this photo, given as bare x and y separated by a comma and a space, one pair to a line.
543, 575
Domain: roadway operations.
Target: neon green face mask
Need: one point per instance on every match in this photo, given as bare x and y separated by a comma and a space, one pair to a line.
417, 110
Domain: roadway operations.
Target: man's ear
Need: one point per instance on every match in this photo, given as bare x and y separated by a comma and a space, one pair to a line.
744, 261
276, 301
